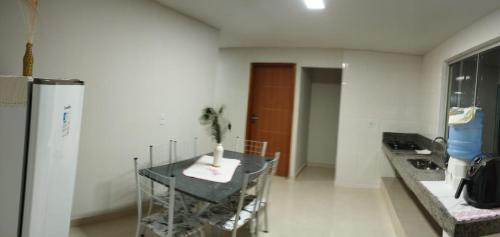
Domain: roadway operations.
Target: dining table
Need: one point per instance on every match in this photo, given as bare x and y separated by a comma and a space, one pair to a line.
204, 190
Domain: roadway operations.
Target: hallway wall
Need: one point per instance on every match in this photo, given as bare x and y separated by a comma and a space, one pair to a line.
324, 116
303, 119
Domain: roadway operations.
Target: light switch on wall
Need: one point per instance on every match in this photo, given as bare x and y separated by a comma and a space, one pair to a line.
163, 119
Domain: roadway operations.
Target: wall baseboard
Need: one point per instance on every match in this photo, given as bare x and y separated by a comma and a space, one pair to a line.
105, 216
321, 165
299, 171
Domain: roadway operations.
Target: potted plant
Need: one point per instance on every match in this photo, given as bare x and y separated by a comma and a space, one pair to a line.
217, 127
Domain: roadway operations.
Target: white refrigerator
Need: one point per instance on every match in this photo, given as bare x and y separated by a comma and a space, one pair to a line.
39, 136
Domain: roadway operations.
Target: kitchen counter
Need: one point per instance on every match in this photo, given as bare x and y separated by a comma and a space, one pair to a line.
412, 177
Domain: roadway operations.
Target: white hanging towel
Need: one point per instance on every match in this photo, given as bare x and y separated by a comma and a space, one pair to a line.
459, 116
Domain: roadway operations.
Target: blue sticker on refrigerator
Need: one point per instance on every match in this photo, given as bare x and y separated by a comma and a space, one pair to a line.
66, 120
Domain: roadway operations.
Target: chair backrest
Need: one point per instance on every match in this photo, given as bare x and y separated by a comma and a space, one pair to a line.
186, 149
273, 167
259, 178
251, 147
145, 191
173, 151
162, 154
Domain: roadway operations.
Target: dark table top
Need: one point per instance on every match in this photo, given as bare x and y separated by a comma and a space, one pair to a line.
203, 189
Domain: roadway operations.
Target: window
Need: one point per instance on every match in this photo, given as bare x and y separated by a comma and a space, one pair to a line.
475, 80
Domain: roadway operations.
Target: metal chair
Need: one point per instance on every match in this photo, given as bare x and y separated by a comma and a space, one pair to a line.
160, 192
235, 213
267, 190
164, 222
169, 152
185, 149
251, 147
273, 167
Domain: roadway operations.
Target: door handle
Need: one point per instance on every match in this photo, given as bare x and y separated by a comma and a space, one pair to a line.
254, 118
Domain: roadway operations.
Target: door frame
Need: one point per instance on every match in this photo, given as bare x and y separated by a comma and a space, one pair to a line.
250, 98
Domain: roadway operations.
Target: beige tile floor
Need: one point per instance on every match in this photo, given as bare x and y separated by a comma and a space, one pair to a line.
309, 206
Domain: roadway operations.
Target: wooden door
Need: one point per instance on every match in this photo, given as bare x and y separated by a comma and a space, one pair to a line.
270, 109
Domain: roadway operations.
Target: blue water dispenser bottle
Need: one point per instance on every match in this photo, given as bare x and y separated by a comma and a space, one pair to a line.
464, 143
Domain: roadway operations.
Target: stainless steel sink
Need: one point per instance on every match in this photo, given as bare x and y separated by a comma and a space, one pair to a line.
424, 164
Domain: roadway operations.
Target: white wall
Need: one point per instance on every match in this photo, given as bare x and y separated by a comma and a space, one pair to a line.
377, 97
434, 85
379, 88
324, 117
138, 59
12, 138
303, 120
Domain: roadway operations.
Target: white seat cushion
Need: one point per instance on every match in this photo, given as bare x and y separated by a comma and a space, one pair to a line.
183, 225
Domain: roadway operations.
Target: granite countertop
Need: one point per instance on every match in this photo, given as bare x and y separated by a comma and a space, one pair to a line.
412, 177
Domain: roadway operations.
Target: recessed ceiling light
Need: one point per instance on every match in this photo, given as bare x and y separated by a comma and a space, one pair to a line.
315, 4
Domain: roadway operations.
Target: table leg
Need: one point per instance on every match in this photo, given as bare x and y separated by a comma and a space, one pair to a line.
183, 202
202, 208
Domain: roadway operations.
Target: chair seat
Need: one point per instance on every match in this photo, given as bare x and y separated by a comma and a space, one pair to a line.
249, 203
184, 225
223, 215
190, 202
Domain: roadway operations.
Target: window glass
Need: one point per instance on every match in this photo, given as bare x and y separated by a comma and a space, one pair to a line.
466, 90
463, 82
454, 73
487, 97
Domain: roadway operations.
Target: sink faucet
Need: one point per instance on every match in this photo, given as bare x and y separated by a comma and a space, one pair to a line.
445, 156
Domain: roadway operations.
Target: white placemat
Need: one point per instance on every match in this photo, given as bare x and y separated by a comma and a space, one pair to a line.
458, 208
203, 169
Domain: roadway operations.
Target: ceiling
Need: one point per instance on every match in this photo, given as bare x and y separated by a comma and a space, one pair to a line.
406, 26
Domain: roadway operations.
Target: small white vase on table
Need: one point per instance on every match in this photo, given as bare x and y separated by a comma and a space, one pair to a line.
218, 154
